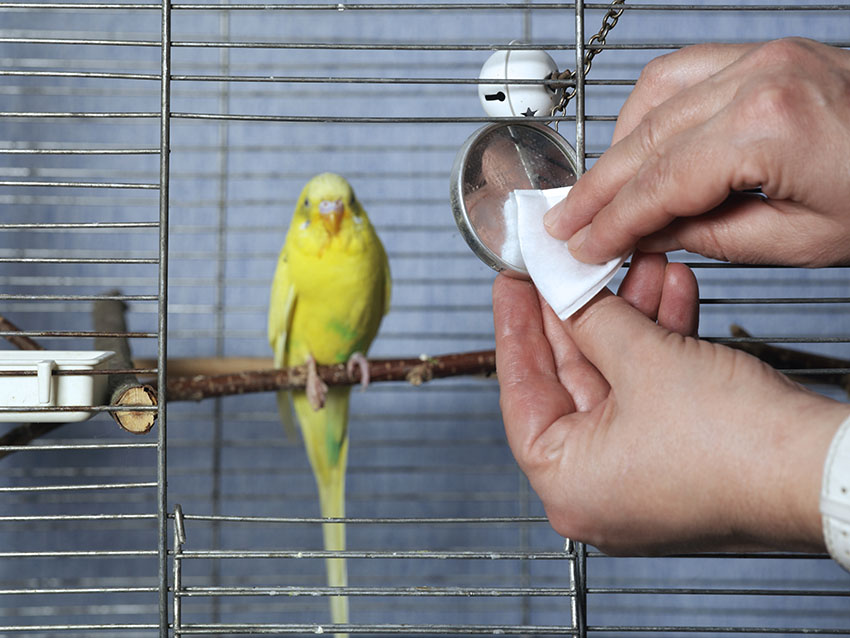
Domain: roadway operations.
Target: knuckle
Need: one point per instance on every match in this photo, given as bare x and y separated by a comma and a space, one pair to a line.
790, 53
719, 238
763, 129
772, 107
654, 176
569, 522
778, 97
588, 319
541, 454
673, 71
529, 460
652, 75
653, 170
531, 457
661, 73
648, 134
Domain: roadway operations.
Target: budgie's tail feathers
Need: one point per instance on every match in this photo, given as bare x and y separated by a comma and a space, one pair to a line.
332, 501
334, 536
326, 438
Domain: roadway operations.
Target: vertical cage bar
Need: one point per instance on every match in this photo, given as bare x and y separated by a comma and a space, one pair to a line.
578, 100
523, 486
177, 615
179, 539
220, 291
525, 543
578, 566
162, 316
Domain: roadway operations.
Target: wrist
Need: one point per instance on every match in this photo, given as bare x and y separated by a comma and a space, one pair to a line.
835, 497
789, 474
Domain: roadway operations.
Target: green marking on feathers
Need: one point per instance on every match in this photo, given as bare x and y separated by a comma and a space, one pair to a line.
342, 329
334, 445
335, 423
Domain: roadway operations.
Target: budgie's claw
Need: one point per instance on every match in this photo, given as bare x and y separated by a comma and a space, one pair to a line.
357, 360
316, 389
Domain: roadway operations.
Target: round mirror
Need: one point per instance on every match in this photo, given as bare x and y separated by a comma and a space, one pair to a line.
495, 160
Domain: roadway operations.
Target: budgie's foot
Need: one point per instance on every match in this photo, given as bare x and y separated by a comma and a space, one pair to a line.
357, 360
316, 389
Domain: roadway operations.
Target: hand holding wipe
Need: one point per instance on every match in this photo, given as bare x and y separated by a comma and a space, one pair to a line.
565, 283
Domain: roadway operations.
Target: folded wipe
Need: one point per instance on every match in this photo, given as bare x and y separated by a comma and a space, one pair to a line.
565, 283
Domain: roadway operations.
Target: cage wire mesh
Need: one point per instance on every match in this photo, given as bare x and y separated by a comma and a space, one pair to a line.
445, 536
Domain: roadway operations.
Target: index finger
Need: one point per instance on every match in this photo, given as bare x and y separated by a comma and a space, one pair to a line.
532, 396
650, 123
616, 337
669, 74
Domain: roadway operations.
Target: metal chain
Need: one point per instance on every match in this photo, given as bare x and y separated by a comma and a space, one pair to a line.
609, 21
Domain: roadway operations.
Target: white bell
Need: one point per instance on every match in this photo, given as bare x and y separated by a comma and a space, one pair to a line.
503, 99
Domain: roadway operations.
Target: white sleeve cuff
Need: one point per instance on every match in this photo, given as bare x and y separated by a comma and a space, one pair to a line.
835, 497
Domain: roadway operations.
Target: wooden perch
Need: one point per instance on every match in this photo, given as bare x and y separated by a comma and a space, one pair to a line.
207, 366
415, 371
124, 389
194, 383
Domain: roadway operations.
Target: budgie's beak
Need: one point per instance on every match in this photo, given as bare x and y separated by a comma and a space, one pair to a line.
331, 213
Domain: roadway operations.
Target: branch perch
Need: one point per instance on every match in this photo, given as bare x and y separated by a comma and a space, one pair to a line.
195, 386
415, 371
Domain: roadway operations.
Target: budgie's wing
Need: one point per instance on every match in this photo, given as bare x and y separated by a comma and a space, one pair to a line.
388, 282
385, 262
281, 305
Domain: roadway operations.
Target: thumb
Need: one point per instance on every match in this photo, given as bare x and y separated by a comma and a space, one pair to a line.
615, 337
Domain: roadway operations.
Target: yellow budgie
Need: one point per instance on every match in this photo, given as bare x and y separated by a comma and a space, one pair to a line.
330, 291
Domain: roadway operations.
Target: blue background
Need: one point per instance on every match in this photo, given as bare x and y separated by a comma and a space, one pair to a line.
433, 451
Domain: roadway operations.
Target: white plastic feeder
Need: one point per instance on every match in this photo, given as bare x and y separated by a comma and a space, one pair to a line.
46, 389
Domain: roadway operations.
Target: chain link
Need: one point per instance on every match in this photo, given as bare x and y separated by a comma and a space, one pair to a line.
609, 21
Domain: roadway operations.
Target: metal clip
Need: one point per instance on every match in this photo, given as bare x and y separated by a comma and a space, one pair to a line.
179, 527
45, 380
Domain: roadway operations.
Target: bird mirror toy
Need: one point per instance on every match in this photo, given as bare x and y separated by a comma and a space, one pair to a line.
496, 160
507, 156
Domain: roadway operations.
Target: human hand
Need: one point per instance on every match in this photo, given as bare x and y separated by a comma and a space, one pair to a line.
705, 123
641, 439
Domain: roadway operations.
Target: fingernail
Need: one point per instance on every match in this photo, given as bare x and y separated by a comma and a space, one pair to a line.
576, 241
550, 219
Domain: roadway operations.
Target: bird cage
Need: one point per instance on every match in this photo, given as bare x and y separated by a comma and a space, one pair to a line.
151, 156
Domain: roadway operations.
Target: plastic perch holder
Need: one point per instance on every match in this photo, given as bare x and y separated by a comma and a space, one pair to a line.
45, 389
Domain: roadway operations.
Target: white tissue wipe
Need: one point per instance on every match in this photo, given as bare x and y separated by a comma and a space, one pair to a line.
510, 251
565, 283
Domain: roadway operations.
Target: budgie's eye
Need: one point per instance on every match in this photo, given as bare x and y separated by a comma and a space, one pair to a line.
306, 203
